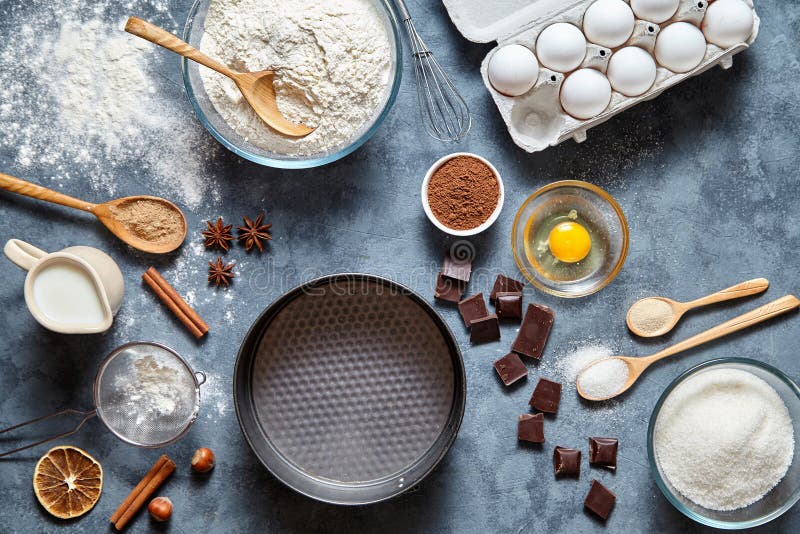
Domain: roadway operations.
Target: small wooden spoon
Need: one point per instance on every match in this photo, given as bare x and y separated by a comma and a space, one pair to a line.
101, 211
256, 87
637, 366
751, 287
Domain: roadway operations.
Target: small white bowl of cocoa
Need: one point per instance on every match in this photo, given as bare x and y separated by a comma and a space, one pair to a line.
462, 194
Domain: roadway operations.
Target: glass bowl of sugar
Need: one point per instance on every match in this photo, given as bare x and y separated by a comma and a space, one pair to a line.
337, 69
721, 443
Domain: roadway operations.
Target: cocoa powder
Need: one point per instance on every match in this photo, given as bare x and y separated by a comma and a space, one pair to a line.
463, 193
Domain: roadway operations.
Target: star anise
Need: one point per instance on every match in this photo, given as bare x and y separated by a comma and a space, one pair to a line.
218, 235
253, 233
219, 273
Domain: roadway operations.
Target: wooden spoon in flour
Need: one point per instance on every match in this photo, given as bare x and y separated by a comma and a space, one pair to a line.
146, 223
256, 87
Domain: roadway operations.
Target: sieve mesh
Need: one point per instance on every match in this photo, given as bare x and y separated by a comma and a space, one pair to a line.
146, 395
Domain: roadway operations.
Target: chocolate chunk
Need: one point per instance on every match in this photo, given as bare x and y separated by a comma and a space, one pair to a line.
449, 289
472, 308
546, 396
567, 462
484, 329
508, 305
456, 268
534, 331
600, 500
531, 428
504, 284
603, 452
510, 368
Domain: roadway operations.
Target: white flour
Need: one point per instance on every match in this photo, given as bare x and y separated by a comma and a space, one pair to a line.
155, 392
81, 100
332, 58
724, 438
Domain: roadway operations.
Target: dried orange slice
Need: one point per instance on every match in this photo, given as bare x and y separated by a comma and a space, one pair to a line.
67, 481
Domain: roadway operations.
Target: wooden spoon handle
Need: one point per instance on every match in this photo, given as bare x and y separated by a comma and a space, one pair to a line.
161, 37
751, 287
21, 187
765, 312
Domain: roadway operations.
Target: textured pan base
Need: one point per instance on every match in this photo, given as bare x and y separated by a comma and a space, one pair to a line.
353, 382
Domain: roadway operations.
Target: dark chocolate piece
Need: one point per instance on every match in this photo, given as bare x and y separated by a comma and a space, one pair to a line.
531, 428
506, 285
567, 462
472, 308
534, 331
546, 396
603, 452
449, 289
484, 329
508, 305
456, 268
510, 368
600, 500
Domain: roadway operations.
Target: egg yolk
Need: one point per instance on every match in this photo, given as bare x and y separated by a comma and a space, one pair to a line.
569, 242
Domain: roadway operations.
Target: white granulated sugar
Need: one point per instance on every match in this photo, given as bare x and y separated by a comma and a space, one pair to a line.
567, 366
604, 379
83, 101
724, 439
332, 59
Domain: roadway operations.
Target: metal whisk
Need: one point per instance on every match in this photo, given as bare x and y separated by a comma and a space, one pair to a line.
444, 111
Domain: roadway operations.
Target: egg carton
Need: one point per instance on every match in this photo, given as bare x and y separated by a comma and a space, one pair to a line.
536, 119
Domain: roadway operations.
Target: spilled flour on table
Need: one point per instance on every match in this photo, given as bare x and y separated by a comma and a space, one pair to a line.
215, 396
80, 100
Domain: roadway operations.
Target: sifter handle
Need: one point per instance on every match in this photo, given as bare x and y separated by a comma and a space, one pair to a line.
86, 416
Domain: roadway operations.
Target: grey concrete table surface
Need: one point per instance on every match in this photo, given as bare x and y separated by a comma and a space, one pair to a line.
706, 173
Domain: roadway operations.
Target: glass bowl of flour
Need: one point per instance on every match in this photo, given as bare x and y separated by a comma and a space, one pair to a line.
722, 443
338, 67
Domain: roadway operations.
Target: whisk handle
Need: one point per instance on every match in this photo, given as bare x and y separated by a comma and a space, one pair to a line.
86, 416
403, 10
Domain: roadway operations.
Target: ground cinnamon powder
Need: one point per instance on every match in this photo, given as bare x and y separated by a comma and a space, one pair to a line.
463, 193
149, 220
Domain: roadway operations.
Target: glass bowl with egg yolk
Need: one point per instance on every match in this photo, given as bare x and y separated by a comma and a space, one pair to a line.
570, 238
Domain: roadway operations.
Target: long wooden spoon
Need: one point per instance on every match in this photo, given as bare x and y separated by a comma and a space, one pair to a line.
256, 87
108, 213
662, 323
637, 366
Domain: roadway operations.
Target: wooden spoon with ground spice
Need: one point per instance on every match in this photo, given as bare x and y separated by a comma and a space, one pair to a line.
146, 223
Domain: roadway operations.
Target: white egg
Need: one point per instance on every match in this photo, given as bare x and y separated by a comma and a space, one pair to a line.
561, 47
631, 71
728, 22
513, 70
608, 22
656, 11
585, 93
680, 47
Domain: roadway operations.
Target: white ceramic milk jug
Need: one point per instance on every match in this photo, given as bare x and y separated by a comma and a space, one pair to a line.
75, 291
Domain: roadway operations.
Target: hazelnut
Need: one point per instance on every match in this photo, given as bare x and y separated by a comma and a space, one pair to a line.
160, 508
203, 460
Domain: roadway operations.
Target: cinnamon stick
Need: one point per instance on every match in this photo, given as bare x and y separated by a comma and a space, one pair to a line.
175, 302
136, 490
162, 469
161, 464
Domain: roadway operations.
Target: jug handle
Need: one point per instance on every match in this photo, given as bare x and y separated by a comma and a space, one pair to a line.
23, 254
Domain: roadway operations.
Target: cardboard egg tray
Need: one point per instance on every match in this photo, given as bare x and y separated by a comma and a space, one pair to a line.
536, 119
